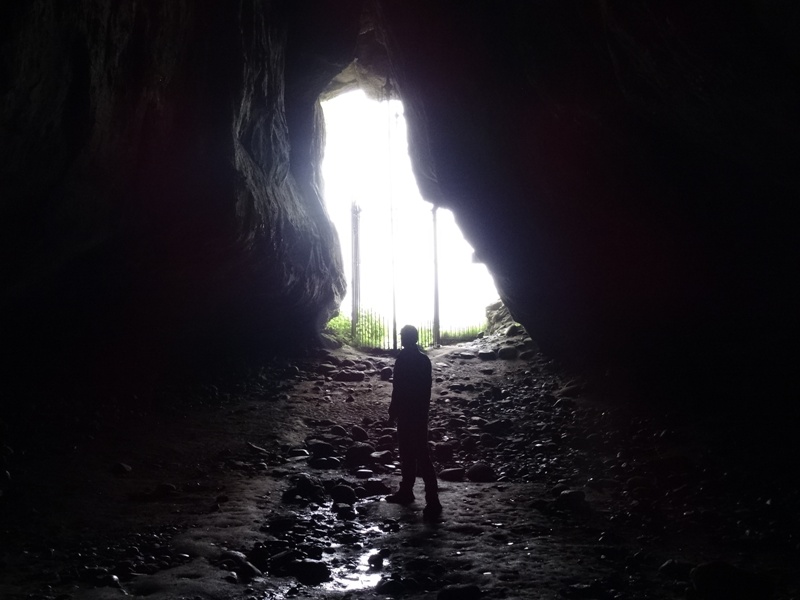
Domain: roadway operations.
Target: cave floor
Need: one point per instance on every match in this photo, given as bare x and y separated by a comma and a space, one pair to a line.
207, 491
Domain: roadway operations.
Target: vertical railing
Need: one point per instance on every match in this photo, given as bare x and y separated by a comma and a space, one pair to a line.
436, 330
355, 287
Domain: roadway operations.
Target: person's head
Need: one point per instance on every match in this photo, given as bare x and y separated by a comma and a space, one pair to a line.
409, 336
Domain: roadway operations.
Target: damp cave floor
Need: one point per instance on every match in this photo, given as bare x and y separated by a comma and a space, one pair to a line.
592, 498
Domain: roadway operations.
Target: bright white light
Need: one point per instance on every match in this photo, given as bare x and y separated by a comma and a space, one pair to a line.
366, 161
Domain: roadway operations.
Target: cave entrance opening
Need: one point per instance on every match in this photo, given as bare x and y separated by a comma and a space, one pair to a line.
400, 252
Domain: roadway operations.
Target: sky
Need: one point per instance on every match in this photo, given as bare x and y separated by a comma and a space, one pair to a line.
366, 161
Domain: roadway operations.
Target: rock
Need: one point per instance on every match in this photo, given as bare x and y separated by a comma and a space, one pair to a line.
722, 581
386, 373
364, 473
305, 489
338, 431
165, 489
386, 441
320, 449
487, 354
359, 454
344, 511
343, 494
574, 500
507, 353
390, 587
375, 561
564, 403
376, 487
299, 452
676, 569
245, 570
327, 462
383, 457
444, 451
359, 434
499, 426
469, 442
482, 473
514, 329
309, 572
488, 440
121, 468
326, 369
456, 474
351, 375
459, 592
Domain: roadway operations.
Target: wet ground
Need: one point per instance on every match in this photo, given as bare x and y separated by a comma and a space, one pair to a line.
270, 485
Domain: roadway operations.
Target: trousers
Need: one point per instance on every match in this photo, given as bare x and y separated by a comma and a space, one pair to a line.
415, 459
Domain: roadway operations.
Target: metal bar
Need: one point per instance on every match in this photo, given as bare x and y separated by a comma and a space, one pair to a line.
356, 275
436, 339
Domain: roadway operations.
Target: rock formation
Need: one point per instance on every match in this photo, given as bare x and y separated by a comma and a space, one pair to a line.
625, 171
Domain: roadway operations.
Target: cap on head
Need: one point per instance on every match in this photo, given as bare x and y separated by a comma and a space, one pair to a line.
409, 335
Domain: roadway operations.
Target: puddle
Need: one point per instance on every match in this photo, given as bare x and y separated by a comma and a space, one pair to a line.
360, 575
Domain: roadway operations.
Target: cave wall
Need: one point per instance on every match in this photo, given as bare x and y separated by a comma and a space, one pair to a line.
627, 172
159, 164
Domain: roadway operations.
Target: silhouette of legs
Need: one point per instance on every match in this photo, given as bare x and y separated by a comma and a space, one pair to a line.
412, 438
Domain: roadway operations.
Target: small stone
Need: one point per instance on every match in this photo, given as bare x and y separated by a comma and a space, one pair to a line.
364, 473
165, 489
299, 452
456, 474
386, 373
386, 440
375, 561
383, 456
359, 434
376, 487
507, 353
390, 587
326, 462
310, 572
487, 355
574, 500
676, 569
460, 592
443, 452
338, 431
488, 440
343, 494
344, 511
244, 569
320, 449
359, 454
121, 468
482, 473
349, 375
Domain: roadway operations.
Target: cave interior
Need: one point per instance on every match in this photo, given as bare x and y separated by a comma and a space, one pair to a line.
627, 172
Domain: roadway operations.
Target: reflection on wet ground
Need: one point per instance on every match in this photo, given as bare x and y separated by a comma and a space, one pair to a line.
363, 573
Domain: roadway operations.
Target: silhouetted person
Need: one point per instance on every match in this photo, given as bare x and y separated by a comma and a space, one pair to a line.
411, 397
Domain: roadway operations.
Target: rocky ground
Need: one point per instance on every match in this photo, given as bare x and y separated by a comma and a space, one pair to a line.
270, 485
